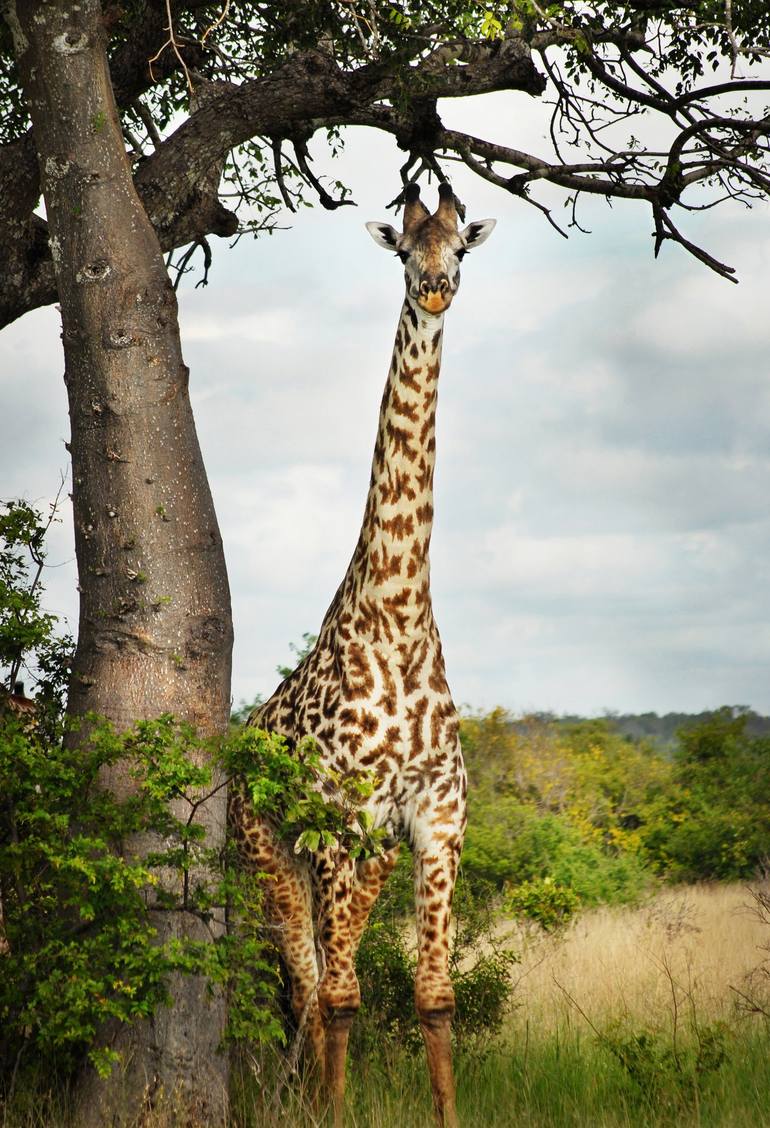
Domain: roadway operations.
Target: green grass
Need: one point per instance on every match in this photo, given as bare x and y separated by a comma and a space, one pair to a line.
629, 1019
565, 1080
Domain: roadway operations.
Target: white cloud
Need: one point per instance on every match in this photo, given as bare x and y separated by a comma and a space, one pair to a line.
270, 327
707, 322
601, 533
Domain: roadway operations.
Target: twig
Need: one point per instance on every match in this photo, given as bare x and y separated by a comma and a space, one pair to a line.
173, 44
751, 1004
325, 200
182, 267
39, 560
665, 229
514, 184
734, 45
296, 1047
136, 145
277, 164
577, 1007
217, 22
139, 108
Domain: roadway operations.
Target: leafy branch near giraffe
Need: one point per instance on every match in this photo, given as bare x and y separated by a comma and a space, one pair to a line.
373, 695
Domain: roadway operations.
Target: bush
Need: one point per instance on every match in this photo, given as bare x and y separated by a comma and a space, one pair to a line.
548, 904
714, 821
385, 967
81, 948
669, 1071
508, 843
481, 968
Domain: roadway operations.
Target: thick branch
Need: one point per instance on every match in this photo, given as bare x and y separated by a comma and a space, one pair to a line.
310, 91
292, 101
28, 279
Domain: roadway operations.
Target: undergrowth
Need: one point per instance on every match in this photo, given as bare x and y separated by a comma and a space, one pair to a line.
564, 1079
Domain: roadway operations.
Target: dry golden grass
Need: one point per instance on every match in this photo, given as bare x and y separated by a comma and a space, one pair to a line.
687, 946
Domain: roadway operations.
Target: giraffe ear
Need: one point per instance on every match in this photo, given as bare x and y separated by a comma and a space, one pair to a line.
383, 234
475, 233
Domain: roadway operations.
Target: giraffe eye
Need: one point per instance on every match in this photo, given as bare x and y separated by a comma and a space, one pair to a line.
403, 255
460, 255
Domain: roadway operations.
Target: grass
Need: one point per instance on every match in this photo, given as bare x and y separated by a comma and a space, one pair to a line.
552, 1083
620, 963
629, 1019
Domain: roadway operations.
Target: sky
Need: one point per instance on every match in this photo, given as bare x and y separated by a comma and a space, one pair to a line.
602, 530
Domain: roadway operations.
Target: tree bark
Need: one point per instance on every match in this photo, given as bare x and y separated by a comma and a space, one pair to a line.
155, 631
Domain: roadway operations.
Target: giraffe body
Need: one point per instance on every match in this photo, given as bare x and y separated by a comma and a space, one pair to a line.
373, 694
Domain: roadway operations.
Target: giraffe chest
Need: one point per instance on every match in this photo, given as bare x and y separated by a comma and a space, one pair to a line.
388, 712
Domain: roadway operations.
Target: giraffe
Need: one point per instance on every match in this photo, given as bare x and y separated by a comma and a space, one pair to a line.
374, 696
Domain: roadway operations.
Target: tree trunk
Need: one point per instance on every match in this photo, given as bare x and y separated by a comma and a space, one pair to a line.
155, 630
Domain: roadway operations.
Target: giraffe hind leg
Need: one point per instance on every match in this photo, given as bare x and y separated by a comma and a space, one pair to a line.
371, 875
288, 905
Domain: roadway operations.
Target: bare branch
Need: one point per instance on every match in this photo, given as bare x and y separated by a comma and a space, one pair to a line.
279, 178
174, 45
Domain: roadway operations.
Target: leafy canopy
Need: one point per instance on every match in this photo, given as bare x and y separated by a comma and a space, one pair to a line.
664, 103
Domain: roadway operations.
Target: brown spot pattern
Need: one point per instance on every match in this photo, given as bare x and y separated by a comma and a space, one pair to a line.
373, 693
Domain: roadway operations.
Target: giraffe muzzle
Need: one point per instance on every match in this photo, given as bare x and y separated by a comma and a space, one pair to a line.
435, 297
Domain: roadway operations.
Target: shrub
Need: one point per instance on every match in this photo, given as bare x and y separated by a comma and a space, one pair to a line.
483, 997
385, 967
481, 967
714, 820
668, 1070
81, 948
509, 843
548, 904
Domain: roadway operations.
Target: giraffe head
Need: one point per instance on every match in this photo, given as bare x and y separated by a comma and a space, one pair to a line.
431, 247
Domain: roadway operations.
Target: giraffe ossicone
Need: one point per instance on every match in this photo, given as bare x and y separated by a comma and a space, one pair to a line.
373, 695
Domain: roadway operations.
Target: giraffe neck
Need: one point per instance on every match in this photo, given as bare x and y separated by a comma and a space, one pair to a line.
390, 565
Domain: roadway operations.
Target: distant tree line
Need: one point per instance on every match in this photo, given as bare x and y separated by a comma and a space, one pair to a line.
660, 729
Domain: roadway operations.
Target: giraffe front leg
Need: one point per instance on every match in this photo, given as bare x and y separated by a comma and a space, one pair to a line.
339, 996
436, 859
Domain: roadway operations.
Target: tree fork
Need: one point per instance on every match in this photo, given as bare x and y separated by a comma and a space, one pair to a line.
155, 630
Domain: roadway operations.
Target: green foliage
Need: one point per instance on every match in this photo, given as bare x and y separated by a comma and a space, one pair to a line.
82, 948
27, 632
78, 944
509, 842
310, 806
385, 967
544, 901
602, 815
714, 820
481, 968
667, 1068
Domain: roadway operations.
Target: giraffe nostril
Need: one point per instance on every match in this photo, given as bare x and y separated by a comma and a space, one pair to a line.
434, 285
